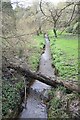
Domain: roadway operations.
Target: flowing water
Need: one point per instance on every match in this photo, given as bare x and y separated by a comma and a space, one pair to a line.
35, 107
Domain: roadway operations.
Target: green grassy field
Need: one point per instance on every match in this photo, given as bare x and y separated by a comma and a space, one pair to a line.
64, 52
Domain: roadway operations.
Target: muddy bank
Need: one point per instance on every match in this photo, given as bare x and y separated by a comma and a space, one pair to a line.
35, 107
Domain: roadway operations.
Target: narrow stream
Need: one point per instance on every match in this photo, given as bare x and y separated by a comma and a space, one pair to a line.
38, 91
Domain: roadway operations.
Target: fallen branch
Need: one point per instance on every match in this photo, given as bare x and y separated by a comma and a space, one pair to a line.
42, 78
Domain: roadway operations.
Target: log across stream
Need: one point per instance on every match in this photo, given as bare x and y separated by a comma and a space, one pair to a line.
35, 107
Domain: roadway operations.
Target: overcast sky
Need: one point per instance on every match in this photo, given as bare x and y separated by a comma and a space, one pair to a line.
26, 3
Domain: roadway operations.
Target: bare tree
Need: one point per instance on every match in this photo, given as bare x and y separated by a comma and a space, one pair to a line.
54, 14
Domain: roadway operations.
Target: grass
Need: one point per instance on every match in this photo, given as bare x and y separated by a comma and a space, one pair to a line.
35, 52
64, 52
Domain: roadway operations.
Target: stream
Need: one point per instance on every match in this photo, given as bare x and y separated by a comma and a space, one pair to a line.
35, 106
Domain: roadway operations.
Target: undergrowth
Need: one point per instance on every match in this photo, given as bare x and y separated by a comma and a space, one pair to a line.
63, 105
35, 52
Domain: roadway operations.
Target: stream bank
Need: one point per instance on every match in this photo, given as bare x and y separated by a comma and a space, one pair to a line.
35, 107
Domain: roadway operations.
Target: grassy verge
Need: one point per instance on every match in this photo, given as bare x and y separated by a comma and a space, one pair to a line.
35, 50
64, 52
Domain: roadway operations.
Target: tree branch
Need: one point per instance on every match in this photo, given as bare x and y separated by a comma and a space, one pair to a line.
72, 14
60, 12
44, 13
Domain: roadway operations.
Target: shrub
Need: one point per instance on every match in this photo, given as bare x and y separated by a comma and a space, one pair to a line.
69, 29
76, 27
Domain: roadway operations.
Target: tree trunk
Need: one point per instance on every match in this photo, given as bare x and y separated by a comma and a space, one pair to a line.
54, 29
37, 33
40, 31
45, 79
55, 33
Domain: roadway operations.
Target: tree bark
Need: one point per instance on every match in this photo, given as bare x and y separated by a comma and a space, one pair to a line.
40, 31
45, 79
54, 29
37, 33
55, 33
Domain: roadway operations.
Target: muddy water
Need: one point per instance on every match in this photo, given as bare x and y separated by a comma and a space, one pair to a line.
35, 107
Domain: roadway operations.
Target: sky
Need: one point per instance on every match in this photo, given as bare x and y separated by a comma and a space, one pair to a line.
26, 3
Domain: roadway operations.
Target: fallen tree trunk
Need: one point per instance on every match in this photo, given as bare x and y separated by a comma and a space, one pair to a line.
42, 78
